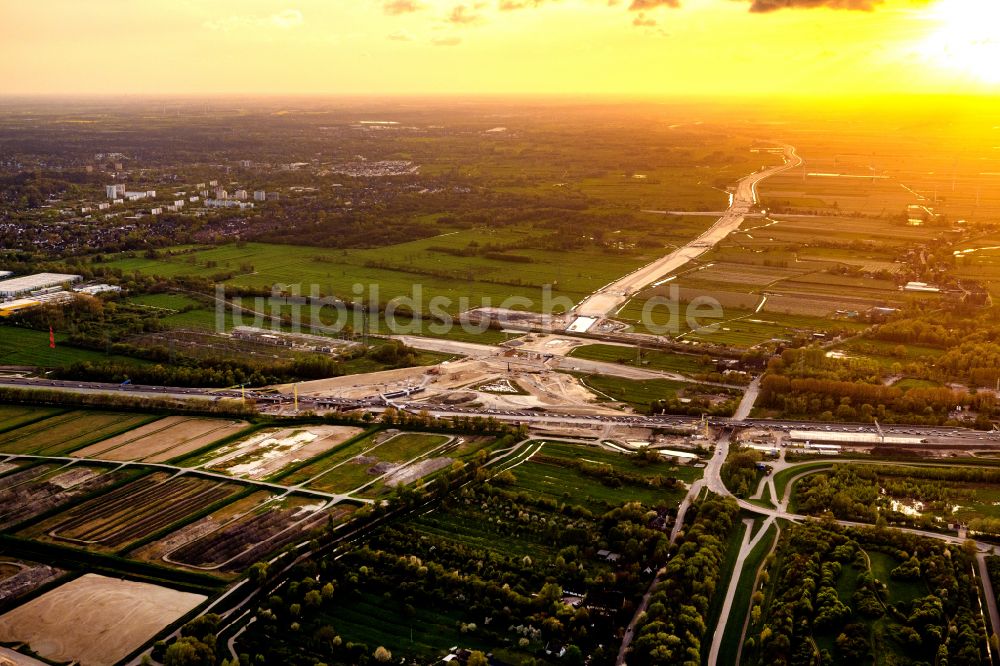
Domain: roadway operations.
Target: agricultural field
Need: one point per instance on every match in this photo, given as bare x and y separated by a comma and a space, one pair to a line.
14, 416
571, 474
112, 521
266, 453
66, 432
162, 440
741, 325
389, 458
979, 259
787, 275
240, 533
41, 488
62, 624
19, 577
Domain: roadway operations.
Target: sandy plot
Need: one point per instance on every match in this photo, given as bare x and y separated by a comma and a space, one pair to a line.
95, 620
818, 305
164, 439
264, 453
358, 386
409, 473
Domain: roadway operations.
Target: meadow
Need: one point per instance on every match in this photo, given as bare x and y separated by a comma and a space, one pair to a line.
651, 359
447, 266
26, 347
638, 394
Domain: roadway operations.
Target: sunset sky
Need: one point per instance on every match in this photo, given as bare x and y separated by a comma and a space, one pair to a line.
600, 47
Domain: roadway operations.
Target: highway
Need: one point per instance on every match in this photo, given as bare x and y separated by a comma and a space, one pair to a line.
612, 296
712, 478
964, 436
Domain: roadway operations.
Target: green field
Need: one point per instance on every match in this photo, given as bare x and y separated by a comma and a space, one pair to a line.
651, 359
882, 565
397, 268
21, 346
13, 416
61, 434
405, 446
165, 301
637, 393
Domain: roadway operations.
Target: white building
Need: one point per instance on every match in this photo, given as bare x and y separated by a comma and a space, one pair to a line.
114, 191
227, 203
259, 195
26, 284
221, 193
94, 289
240, 194
921, 287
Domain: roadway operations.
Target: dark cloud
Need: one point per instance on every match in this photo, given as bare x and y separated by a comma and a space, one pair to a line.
644, 5
511, 5
397, 7
764, 6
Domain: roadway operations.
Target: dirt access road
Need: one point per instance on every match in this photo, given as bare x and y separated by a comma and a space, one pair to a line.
609, 298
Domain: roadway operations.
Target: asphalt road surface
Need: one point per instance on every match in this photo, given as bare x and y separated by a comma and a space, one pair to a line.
609, 298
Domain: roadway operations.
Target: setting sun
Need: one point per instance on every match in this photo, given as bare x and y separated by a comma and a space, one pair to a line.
647, 48
966, 39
